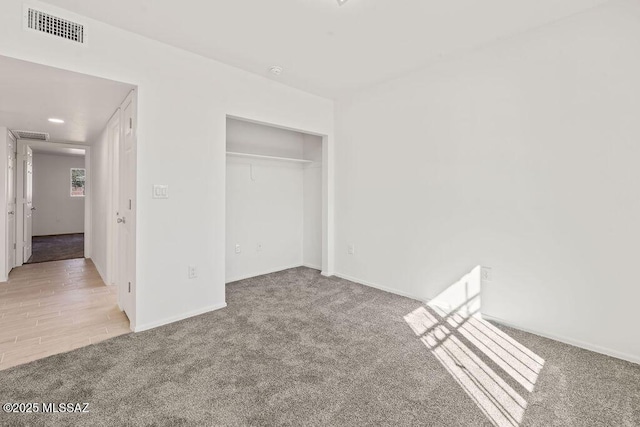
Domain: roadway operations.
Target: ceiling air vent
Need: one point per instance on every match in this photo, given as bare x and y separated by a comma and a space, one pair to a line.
59, 27
25, 134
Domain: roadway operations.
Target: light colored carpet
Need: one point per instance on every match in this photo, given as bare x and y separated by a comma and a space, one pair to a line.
295, 348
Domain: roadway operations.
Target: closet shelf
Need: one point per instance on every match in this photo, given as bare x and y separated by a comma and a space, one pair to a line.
259, 156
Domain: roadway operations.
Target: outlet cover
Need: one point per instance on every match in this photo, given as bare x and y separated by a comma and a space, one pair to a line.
238, 250
351, 250
486, 274
193, 272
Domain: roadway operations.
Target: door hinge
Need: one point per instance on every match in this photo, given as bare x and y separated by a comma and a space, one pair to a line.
14, 246
129, 204
129, 287
130, 122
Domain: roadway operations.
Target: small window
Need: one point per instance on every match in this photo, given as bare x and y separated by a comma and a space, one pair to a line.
77, 182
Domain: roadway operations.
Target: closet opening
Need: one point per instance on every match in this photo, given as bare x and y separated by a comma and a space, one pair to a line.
275, 209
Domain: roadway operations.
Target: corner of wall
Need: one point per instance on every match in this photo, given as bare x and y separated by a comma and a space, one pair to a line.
100, 269
171, 319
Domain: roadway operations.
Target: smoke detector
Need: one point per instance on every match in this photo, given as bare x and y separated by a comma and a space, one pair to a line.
276, 70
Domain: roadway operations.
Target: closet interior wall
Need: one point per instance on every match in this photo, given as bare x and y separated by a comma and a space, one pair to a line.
273, 200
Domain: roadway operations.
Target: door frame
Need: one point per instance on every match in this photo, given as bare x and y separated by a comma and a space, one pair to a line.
113, 135
116, 175
11, 142
20, 192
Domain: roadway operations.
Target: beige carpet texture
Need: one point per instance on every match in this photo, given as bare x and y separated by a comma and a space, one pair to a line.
295, 348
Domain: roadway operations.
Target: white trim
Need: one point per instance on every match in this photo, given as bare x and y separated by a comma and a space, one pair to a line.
380, 287
315, 267
576, 343
272, 270
565, 340
111, 245
179, 317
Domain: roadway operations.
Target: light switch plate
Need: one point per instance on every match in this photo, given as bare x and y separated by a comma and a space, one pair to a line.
160, 191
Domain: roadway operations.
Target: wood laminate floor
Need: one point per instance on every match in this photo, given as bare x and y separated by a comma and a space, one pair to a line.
54, 307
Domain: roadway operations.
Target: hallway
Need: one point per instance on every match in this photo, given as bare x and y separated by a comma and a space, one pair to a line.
54, 307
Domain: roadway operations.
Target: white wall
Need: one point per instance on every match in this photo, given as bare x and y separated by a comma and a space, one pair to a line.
255, 138
270, 204
180, 95
56, 211
264, 207
521, 156
100, 178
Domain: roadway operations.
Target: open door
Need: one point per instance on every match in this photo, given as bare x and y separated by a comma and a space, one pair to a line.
11, 204
28, 208
126, 219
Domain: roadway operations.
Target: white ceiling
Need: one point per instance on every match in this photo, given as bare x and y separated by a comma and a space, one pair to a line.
324, 48
30, 94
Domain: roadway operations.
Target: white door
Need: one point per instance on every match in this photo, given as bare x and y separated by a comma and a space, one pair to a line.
11, 205
126, 219
28, 204
114, 135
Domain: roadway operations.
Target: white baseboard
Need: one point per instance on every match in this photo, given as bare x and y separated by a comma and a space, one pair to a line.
271, 270
100, 272
570, 341
166, 321
380, 287
315, 267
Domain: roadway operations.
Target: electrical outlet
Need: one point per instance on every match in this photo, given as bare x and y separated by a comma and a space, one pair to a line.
351, 250
238, 250
485, 274
259, 247
193, 272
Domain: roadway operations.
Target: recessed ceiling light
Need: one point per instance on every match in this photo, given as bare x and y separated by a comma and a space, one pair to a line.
276, 70
56, 120
341, 2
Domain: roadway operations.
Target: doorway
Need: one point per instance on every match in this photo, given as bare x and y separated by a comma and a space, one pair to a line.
276, 209
68, 145
52, 181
